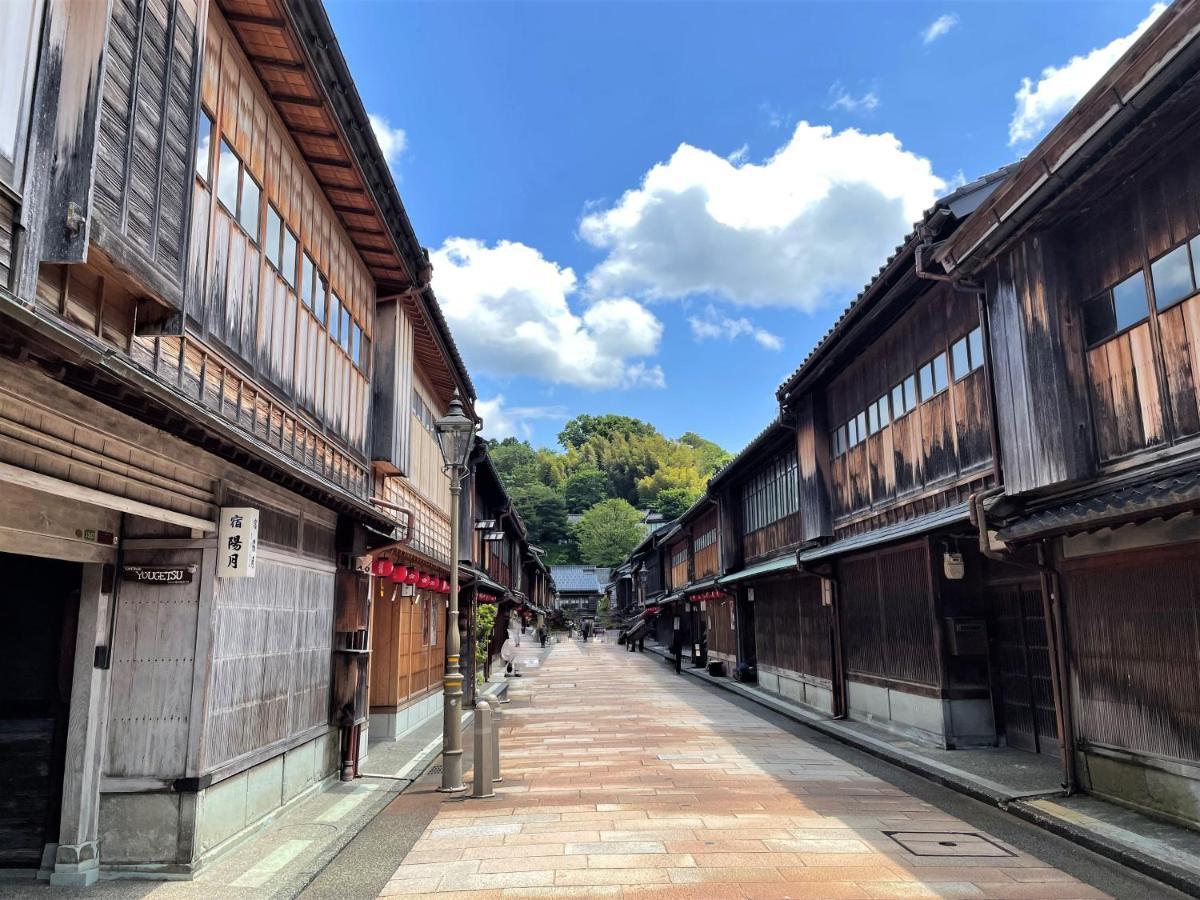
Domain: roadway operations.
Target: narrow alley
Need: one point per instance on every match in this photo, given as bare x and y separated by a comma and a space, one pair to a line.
622, 779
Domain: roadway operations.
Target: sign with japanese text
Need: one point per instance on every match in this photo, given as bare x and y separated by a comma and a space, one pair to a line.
237, 542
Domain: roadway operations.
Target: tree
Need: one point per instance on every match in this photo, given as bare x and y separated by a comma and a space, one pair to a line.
516, 462
581, 429
674, 502
585, 489
544, 512
684, 478
709, 456
608, 532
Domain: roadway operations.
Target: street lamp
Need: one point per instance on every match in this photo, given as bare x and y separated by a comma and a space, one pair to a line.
455, 435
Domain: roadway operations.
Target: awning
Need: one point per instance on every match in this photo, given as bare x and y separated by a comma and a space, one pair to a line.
652, 611
951, 515
479, 579
1160, 498
699, 586
770, 567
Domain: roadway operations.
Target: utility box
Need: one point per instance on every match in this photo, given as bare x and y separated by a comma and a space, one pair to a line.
967, 637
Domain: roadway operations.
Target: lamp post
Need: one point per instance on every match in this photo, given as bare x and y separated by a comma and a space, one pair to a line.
455, 434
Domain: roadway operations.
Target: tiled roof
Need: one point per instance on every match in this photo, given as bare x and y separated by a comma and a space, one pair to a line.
578, 578
953, 200
1165, 496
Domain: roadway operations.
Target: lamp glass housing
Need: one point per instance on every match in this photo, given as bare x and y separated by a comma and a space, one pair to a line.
455, 434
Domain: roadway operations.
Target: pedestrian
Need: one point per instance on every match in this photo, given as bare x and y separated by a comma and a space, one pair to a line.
542, 635
677, 649
642, 642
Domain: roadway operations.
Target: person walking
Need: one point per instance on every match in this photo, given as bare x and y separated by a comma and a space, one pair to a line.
677, 649
542, 635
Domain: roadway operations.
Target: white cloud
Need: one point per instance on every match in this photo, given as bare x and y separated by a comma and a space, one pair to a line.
1042, 103
939, 27
501, 420
840, 98
810, 224
713, 325
392, 141
508, 306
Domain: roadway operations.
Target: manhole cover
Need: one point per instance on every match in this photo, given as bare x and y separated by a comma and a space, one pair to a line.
947, 843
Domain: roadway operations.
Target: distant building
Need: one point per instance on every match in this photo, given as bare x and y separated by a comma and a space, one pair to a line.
579, 588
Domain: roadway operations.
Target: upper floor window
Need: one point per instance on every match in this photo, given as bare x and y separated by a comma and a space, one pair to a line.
335, 318
967, 354
707, 539
904, 397
1173, 274
772, 494
20, 32
679, 557
1122, 306
877, 415
204, 128
933, 377
287, 263
271, 235
238, 192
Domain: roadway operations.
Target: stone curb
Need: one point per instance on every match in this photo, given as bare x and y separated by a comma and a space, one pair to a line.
1178, 877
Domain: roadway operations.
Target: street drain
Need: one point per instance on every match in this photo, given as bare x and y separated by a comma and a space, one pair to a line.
434, 770
948, 843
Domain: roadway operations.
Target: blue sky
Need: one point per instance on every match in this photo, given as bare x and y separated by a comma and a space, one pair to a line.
657, 209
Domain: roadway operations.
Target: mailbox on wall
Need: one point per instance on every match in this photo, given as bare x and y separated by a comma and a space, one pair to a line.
967, 637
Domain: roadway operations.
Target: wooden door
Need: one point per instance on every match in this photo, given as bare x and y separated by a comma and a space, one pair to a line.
1026, 692
39, 610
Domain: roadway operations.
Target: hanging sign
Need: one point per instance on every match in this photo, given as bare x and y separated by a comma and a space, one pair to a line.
159, 574
237, 542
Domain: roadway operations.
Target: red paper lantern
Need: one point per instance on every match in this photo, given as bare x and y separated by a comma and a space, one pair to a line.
424, 581
443, 586
412, 577
382, 568
399, 573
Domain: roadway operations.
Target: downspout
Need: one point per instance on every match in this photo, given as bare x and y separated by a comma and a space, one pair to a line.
1048, 579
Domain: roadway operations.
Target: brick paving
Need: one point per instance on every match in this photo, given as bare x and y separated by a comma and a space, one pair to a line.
622, 779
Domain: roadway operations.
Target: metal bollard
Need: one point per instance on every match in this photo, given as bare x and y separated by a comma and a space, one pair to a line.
481, 787
495, 702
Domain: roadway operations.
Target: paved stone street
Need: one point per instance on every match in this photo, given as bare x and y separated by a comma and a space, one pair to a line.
622, 779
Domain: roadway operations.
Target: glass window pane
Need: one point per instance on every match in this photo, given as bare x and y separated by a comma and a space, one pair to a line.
961, 354
228, 173
884, 416
248, 216
1099, 322
1172, 276
204, 125
926, 374
365, 358
976, 340
271, 237
940, 378
873, 418
861, 421
319, 298
345, 329
335, 317
308, 279
910, 393
851, 433
898, 399
1129, 300
288, 264
355, 336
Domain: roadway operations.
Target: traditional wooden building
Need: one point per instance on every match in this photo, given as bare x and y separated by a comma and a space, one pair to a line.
1087, 261
204, 267
892, 419
780, 625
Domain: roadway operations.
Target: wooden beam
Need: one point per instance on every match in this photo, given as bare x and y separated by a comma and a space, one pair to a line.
243, 19
296, 100
328, 161
58, 487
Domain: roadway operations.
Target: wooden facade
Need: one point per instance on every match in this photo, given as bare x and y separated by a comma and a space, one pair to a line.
199, 247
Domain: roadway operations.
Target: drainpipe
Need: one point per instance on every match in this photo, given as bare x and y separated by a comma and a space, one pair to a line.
1051, 612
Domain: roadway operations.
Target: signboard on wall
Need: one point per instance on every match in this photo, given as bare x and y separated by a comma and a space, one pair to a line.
159, 574
237, 542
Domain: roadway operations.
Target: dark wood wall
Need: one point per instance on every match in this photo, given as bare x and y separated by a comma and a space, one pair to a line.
722, 633
792, 629
943, 439
706, 560
1135, 650
888, 617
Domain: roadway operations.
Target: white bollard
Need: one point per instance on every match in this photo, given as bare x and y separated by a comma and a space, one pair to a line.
495, 704
481, 787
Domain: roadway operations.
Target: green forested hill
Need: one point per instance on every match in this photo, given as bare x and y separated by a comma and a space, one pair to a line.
608, 469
